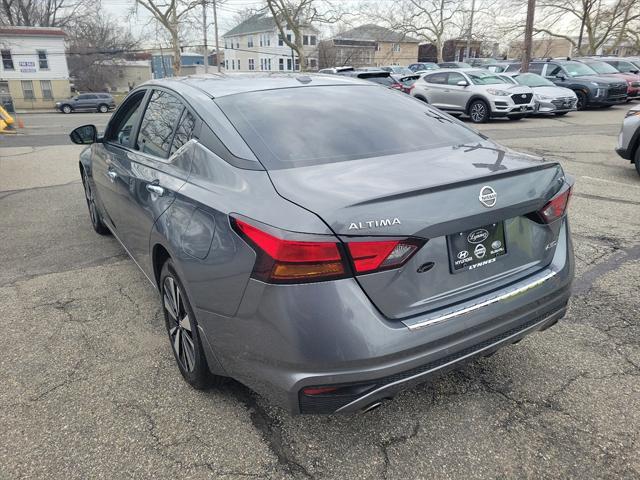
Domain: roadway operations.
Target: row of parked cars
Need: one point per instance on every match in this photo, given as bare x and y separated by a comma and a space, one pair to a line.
499, 89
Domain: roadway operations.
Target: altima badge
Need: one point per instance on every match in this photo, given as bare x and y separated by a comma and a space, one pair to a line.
385, 222
488, 196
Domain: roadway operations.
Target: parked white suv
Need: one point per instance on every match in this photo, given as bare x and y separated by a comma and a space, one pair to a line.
478, 93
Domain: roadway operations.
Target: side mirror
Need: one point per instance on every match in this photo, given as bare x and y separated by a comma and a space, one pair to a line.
561, 77
75, 99
85, 135
463, 83
635, 72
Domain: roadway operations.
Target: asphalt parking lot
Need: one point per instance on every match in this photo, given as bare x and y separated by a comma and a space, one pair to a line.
90, 389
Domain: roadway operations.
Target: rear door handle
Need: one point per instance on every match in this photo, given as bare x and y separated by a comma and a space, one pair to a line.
157, 189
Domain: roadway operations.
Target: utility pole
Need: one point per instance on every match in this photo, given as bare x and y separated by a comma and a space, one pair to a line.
528, 36
215, 29
468, 50
204, 31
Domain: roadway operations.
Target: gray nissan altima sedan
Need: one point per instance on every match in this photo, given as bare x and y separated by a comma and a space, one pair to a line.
326, 241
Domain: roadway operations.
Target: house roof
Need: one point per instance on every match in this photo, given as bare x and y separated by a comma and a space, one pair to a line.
376, 33
33, 31
259, 22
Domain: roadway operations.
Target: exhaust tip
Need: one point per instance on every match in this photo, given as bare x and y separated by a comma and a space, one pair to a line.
371, 407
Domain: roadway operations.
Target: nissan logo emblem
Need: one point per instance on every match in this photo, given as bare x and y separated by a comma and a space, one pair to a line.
488, 196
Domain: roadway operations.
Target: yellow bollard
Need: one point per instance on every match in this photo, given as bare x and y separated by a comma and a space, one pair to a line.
6, 120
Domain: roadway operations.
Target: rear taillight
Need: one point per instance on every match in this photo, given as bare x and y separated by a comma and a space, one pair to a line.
370, 257
286, 260
397, 86
556, 207
292, 261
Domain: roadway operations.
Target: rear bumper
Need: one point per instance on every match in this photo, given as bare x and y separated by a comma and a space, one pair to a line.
286, 338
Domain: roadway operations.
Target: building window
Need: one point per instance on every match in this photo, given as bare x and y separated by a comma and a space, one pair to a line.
261, 40
313, 40
226, 45
377, 47
233, 64
289, 64
280, 41
237, 43
281, 64
45, 86
267, 40
268, 63
250, 42
252, 64
226, 64
396, 47
312, 63
288, 36
309, 40
27, 90
43, 61
297, 63
239, 67
7, 60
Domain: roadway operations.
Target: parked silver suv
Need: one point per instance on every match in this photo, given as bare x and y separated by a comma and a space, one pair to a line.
629, 138
478, 93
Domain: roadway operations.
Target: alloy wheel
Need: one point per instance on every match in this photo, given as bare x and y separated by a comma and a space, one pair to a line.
180, 330
478, 112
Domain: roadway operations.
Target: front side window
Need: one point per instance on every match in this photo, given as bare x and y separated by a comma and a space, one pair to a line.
576, 69
45, 86
121, 126
43, 61
27, 90
7, 60
454, 78
553, 70
158, 123
341, 123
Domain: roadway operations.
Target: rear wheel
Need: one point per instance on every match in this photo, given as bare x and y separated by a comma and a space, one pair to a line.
103, 108
479, 111
582, 100
182, 328
94, 214
66, 109
637, 159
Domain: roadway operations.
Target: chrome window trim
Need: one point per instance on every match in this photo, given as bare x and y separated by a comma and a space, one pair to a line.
472, 308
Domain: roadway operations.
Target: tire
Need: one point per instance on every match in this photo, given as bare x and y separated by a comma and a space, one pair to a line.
636, 159
94, 214
560, 114
479, 111
182, 328
66, 109
582, 100
103, 108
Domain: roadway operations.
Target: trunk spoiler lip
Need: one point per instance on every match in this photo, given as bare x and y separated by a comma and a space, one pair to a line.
467, 181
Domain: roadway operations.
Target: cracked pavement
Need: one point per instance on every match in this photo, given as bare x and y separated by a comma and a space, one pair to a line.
90, 389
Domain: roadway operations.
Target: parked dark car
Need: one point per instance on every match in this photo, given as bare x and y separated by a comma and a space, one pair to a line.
605, 69
316, 248
591, 89
101, 102
421, 66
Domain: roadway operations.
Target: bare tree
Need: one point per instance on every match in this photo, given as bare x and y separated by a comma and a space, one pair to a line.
94, 42
171, 15
598, 21
296, 15
42, 13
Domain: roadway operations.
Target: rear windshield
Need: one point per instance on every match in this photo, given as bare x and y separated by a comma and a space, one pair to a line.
295, 127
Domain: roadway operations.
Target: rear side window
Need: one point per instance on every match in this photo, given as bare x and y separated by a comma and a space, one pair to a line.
536, 68
439, 78
158, 124
295, 127
184, 132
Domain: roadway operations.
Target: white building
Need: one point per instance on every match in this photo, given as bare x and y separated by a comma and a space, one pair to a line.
34, 66
256, 44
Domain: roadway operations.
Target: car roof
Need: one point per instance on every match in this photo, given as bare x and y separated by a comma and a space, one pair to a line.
220, 85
